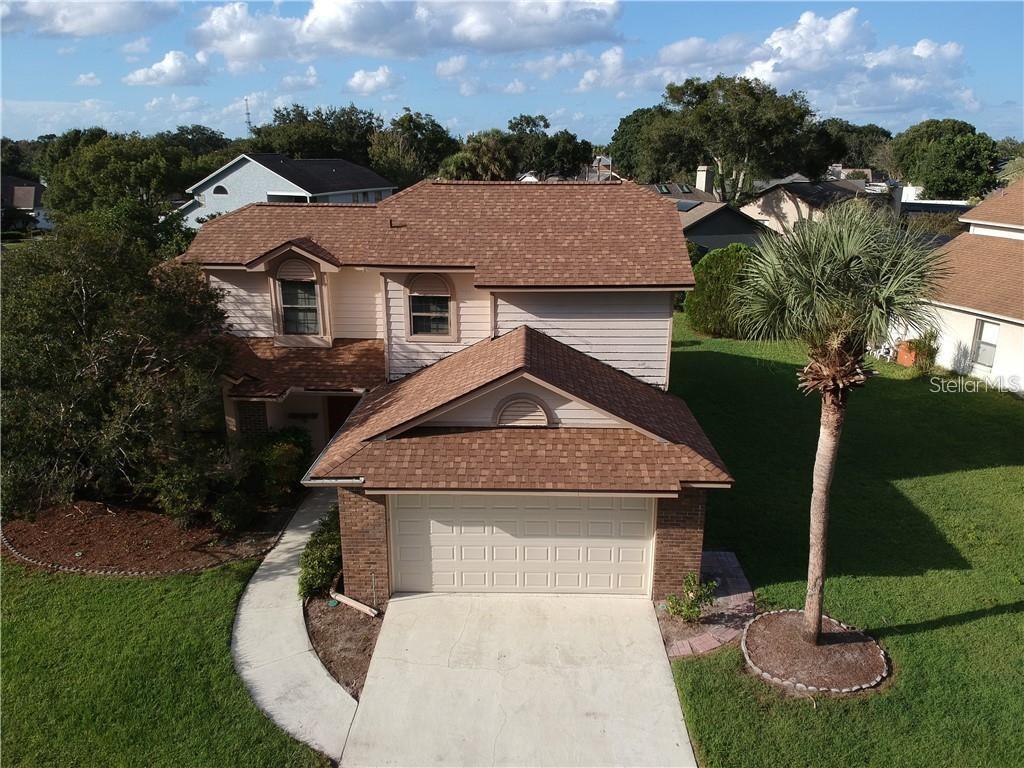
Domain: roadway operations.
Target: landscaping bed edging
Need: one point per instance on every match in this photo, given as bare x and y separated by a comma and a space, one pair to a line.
128, 573
802, 687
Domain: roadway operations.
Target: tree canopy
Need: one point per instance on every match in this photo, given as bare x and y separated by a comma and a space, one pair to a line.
411, 148
300, 132
949, 158
859, 142
111, 369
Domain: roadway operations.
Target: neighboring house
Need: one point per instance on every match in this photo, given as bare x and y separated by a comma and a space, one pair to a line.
981, 302
787, 203
836, 171
270, 177
506, 349
716, 225
908, 200
25, 195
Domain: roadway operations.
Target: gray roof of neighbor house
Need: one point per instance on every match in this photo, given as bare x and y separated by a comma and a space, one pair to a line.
315, 176
567, 234
692, 215
677, 191
820, 194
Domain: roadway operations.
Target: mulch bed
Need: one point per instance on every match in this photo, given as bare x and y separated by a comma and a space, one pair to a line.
100, 538
845, 661
344, 639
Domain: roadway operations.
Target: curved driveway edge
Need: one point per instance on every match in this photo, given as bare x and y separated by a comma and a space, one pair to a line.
271, 647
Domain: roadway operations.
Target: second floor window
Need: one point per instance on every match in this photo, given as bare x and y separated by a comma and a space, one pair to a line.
299, 310
430, 307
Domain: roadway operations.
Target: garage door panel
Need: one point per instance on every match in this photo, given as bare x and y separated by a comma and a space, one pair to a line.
527, 544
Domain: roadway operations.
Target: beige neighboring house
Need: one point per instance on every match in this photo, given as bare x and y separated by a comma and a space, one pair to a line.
782, 206
981, 304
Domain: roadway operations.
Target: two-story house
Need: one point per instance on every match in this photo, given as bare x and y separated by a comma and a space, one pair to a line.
271, 177
486, 366
981, 302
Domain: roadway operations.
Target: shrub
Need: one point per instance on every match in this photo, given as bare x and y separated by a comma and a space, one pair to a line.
232, 511
320, 561
180, 490
925, 351
695, 596
268, 468
709, 305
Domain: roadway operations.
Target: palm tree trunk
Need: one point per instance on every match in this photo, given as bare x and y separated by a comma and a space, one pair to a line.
833, 412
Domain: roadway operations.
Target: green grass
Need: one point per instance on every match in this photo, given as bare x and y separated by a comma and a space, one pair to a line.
926, 552
123, 672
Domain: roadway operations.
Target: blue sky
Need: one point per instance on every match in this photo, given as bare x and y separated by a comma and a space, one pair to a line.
153, 65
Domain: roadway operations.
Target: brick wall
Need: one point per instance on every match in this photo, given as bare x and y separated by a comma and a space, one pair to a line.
678, 541
364, 547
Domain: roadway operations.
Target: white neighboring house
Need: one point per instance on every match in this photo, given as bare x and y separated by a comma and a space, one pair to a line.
981, 304
275, 178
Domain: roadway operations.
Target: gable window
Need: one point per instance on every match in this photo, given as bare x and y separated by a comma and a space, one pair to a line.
430, 308
986, 335
298, 293
522, 411
220, 190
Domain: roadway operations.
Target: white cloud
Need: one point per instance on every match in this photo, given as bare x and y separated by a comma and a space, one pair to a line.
247, 39
175, 68
176, 104
549, 66
30, 118
832, 58
371, 81
84, 19
515, 88
88, 79
301, 82
451, 67
66, 50
136, 48
469, 87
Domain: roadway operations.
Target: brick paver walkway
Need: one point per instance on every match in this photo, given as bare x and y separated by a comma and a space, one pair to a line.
733, 607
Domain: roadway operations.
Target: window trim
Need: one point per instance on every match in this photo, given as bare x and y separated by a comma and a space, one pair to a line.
318, 283
453, 314
516, 397
979, 328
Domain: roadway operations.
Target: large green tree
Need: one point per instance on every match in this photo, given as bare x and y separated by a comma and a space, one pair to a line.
746, 129
651, 144
486, 156
300, 132
949, 158
411, 147
859, 142
111, 364
839, 285
100, 174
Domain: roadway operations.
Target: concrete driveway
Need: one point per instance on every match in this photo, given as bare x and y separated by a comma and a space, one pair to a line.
525, 680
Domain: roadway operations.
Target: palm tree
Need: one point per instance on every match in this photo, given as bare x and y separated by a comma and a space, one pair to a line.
838, 285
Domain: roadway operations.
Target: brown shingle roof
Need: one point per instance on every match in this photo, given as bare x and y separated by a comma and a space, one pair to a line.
525, 350
545, 235
265, 370
528, 459
986, 274
1004, 206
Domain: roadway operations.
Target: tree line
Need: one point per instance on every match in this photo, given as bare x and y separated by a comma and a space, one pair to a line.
743, 128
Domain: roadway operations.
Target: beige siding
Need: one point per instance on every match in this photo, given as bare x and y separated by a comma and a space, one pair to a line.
246, 301
779, 210
956, 343
480, 411
629, 330
357, 304
474, 323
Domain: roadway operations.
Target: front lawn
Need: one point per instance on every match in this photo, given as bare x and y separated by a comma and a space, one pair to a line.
926, 553
123, 672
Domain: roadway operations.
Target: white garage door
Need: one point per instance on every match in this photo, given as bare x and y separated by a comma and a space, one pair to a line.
480, 543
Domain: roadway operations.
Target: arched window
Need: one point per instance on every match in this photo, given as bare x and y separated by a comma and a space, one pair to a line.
431, 308
298, 293
522, 411
220, 190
